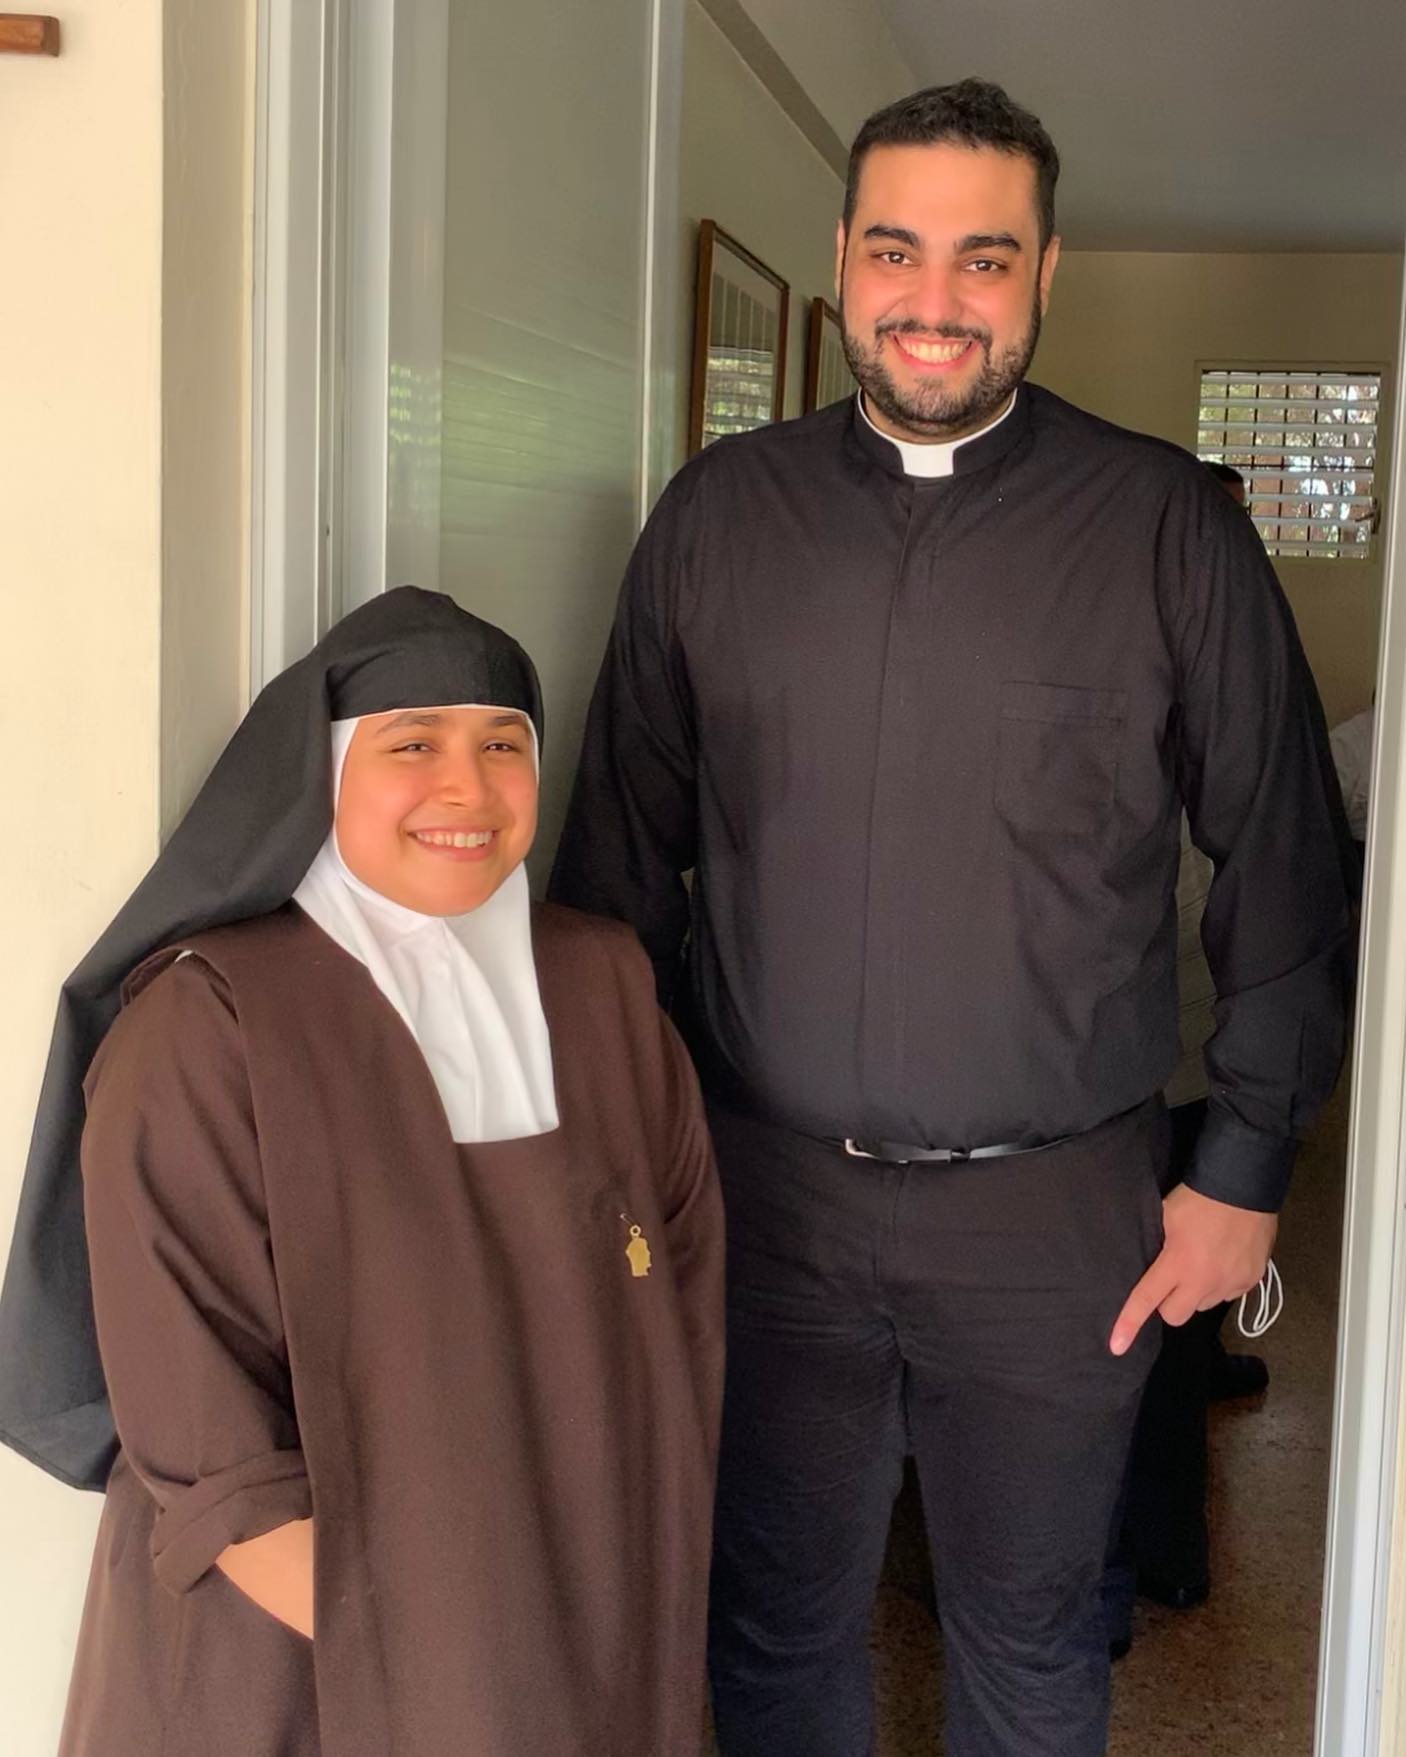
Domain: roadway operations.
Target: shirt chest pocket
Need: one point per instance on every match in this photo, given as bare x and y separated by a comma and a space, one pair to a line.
1057, 756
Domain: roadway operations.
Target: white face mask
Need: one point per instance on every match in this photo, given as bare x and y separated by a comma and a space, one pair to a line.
464, 985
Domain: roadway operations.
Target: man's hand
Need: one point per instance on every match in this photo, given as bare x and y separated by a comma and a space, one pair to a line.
1212, 1252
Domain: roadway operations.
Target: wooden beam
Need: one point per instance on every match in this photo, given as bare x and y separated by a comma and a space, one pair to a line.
28, 33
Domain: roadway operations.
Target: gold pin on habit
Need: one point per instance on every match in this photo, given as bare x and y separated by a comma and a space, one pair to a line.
638, 1252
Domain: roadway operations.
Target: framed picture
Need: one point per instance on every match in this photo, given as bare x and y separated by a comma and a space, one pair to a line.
828, 377
739, 340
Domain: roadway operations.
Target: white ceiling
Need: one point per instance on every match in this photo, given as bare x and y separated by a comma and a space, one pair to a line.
1196, 124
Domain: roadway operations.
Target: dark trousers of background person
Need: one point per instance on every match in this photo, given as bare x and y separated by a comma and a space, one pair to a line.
1162, 1542
960, 1312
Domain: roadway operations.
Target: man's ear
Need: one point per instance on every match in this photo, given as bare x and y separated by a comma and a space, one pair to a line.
839, 260
1048, 263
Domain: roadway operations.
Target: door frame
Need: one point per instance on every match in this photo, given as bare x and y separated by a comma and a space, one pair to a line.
1360, 1676
347, 323
350, 167
351, 109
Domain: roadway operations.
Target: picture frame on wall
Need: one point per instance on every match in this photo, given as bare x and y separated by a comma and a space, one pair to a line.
828, 377
740, 321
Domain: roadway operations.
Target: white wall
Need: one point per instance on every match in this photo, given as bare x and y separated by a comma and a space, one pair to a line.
80, 445
84, 224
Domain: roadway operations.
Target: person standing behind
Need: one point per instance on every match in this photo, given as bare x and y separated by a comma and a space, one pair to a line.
916, 687
1230, 480
1351, 742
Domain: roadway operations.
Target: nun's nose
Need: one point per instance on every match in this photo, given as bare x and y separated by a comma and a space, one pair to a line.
466, 783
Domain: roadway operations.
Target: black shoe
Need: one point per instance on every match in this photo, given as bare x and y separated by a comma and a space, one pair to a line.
1177, 1595
1237, 1375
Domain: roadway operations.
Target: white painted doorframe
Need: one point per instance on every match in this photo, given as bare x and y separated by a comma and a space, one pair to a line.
350, 114
348, 330
393, 160
1360, 1675
289, 582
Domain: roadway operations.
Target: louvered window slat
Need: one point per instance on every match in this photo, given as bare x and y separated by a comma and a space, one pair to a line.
1306, 442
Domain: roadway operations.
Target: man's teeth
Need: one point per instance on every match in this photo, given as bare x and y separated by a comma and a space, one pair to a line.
455, 838
935, 353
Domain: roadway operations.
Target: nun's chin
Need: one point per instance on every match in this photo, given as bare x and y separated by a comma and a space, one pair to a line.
468, 900
443, 881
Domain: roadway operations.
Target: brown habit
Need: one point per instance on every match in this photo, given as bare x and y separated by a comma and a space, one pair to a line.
311, 1301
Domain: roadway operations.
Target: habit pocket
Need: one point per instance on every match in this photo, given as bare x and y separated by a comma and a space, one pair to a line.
1057, 758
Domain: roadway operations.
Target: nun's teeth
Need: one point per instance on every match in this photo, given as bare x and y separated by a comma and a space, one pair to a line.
454, 838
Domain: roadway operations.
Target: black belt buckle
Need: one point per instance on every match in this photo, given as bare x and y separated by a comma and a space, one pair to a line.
887, 1153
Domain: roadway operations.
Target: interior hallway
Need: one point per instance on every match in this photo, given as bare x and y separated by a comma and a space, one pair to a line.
1239, 1674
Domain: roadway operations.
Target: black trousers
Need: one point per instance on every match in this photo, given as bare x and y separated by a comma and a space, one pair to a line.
1162, 1533
961, 1312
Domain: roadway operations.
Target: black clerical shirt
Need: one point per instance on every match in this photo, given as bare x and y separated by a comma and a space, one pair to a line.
925, 744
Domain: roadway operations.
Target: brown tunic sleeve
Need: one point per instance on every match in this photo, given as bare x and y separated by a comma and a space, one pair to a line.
694, 1225
184, 1287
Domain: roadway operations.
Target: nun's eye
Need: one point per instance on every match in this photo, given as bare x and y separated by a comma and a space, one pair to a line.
415, 744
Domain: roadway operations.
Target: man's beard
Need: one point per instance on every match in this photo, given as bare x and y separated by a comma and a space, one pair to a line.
933, 411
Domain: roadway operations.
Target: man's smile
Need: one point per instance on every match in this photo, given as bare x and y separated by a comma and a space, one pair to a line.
937, 353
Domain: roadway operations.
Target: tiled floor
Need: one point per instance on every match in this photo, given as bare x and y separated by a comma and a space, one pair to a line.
1235, 1678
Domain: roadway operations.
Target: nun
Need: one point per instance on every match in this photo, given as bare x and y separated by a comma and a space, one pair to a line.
380, 1288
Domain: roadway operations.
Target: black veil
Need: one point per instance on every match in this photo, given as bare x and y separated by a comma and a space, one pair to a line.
240, 851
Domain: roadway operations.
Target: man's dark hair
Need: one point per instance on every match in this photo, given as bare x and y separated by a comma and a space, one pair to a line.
973, 112
1225, 473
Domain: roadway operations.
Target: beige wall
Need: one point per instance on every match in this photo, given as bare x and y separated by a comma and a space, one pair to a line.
745, 164
1124, 337
86, 535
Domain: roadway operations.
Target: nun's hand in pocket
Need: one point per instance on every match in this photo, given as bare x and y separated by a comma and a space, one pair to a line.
1211, 1252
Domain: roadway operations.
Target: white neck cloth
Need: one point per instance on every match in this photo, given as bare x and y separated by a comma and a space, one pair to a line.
933, 458
465, 985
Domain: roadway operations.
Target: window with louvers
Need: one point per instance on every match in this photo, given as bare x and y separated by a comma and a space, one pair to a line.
1306, 443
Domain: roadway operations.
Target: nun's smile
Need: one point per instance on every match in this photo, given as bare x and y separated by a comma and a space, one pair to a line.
472, 844
438, 805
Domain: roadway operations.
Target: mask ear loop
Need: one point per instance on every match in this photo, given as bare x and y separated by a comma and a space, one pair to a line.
1268, 1305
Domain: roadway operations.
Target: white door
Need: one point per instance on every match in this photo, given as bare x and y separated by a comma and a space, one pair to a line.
465, 226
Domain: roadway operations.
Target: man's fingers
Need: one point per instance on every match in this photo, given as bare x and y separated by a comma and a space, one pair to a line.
1180, 1306
1141, 1303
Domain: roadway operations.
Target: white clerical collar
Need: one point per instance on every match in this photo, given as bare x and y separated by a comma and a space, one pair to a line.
937, 458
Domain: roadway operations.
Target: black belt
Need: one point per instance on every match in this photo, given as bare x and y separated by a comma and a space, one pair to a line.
900, 1153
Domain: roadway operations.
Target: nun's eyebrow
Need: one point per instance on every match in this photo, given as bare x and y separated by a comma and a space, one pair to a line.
402, 720
508, 720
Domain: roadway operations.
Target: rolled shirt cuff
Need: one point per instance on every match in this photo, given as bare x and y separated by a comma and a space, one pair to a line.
229, 1507
1242, 1166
